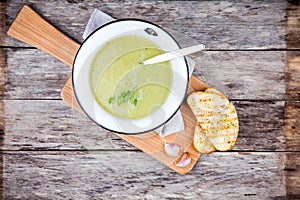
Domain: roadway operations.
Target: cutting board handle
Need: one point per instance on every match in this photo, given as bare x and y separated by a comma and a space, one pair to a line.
31, 28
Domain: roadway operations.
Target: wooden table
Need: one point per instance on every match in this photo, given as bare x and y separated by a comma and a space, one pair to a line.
49, 151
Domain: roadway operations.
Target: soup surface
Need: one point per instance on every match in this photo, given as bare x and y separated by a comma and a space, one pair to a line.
122, 85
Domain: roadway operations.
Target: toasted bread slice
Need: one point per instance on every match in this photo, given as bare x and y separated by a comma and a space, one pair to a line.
206, 106
201, 142
217, 121
224, 129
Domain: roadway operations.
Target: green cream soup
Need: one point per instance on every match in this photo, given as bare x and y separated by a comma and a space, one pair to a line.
122, 85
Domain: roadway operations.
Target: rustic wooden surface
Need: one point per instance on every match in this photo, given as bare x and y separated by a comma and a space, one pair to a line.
49, 151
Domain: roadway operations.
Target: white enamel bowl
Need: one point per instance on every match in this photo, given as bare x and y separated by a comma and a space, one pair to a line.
82, 64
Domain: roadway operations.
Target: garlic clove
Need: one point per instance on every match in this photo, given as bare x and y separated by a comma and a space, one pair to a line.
184, 160
172, 150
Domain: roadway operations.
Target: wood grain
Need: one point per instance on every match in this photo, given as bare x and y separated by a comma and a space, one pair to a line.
2, 22
40, 77
258, 25
292, 76
292, 171
291, 126
2, 87
292, 26
57, 127
109, 175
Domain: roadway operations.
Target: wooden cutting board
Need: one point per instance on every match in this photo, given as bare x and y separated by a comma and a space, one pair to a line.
31, 28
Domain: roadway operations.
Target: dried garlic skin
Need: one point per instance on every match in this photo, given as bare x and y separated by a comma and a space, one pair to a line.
184, 160
172, 150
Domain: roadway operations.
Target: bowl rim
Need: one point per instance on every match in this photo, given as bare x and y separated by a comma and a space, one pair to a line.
77, 98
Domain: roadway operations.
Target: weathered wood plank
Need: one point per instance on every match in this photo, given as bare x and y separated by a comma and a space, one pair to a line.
261, 126
44, 125
2, 73
133, 175
250, 75
2, 52
291, 125
32, 74
3, 35
49, 124
292, 77
2, 84
226, 25
292, 175
293, 25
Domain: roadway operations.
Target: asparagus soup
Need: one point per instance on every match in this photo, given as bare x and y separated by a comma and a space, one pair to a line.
123, 86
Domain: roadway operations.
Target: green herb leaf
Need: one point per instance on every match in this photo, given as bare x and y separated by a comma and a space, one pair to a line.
129, 95
123, 98
132, 97
120, 99
111, 100
135, 102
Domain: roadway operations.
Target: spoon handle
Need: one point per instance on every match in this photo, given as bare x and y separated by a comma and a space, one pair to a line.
32, 29
174, 54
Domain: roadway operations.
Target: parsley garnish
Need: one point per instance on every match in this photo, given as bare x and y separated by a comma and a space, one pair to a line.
130, 96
